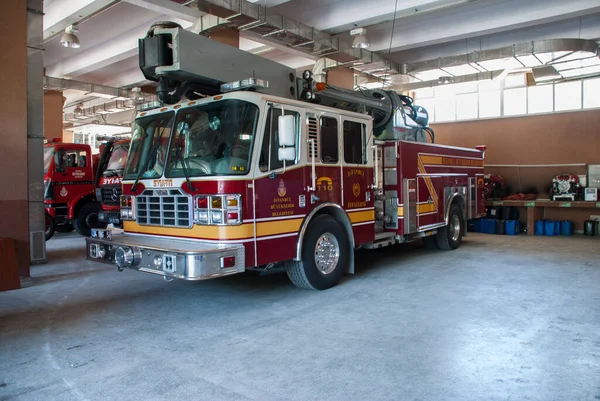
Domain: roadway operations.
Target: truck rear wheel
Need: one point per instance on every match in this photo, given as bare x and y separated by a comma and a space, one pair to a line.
449, 237
324, 255
87, 218
50, 226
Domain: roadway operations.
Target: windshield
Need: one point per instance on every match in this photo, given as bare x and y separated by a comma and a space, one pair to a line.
149, 146
213, 139
48, 155
117, 161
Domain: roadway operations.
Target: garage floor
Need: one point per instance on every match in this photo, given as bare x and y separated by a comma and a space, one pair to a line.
502, 318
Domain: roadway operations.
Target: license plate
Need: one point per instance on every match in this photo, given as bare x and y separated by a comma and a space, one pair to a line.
101, 234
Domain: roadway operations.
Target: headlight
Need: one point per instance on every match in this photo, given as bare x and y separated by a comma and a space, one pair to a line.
218, 209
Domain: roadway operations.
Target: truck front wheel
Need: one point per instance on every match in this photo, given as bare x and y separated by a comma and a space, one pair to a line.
324, 255
449, 237
50, 226
87, 218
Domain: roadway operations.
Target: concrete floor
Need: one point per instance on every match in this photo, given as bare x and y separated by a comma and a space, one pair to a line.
502, 318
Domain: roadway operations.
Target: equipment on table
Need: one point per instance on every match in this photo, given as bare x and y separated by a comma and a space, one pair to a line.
565, 187
590, 194
493, 186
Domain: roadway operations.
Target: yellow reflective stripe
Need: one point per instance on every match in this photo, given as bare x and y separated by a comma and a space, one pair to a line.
362, 216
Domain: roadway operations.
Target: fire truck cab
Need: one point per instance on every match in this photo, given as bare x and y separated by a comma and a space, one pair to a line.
109, 175
246, 179
69, 188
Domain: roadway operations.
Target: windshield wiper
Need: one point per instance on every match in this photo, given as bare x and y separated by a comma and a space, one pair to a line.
150, 157
184, 167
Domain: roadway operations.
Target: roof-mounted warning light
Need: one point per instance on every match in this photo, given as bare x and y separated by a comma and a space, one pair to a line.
245, 84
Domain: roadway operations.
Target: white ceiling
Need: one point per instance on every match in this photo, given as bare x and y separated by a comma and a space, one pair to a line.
424, 29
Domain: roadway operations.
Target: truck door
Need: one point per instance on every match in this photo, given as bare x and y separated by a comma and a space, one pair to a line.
77, 176
279, 187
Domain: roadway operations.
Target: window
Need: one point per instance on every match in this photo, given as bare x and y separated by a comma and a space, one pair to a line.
269, 154
354, 143
591, 93
567, 96
489, 104
539, 99
466, 106
429, 105
514, 80
445, 107
515, 101
329, 140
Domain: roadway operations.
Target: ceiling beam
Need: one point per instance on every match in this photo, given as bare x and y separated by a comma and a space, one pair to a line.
477, 19
62, 13
169, 8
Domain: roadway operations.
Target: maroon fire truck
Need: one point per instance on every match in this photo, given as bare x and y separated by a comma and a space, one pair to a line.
274, 171
69, 188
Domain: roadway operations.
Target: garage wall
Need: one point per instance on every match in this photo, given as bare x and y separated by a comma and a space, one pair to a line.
53, 106
14, 214
560, 138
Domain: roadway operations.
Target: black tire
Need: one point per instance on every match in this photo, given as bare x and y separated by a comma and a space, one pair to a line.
430, 242
306, 273
87, 218
449, 237
50, 226
64, 228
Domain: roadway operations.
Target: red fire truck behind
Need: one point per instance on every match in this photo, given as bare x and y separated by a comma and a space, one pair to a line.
69, 188
249, 177
108, 180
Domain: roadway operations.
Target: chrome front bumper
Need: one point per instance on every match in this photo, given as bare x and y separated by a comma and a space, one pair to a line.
177, 258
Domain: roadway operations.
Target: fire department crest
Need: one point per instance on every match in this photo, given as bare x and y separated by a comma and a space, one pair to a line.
356, 189
63, 192
281, 190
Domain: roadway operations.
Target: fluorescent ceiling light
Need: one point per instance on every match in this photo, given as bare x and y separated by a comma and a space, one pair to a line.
581, 72
97, 129
501, 64
429, 75
529, 60
464, 69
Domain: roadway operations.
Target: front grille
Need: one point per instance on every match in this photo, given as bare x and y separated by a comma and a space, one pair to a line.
111, 195
164, 207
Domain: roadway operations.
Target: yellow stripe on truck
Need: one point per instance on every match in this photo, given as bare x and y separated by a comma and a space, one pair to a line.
360, 217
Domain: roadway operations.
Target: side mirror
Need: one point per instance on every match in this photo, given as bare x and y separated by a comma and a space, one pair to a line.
60, 161
287, 130
288, 154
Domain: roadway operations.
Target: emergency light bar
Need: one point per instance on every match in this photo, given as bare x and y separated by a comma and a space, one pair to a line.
248, 83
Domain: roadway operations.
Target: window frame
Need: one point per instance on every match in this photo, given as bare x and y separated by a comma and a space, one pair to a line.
267, 125
335, 118
365, 139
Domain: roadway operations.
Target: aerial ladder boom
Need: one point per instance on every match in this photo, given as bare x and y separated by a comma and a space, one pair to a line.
187, 65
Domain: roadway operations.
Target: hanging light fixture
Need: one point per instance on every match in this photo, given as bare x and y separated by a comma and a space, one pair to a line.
69, 39
361, 41
78, 110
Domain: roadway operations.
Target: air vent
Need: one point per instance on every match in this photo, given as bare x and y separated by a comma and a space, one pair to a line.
37, 247
313, 133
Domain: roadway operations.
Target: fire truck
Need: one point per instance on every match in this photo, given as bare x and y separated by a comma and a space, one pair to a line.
246, 167
69, 188
109, 175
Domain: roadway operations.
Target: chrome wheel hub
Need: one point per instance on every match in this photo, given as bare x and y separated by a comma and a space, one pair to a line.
454, 228
327, 253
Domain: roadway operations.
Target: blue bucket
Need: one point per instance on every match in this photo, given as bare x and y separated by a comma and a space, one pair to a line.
550, 228
513, 227
567, 227
539, 227
477, 225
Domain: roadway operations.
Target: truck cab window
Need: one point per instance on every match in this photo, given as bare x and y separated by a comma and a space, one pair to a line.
329, 140
354, 143
269, 159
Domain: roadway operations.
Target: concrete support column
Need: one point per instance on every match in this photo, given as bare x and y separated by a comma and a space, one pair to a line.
14, 208
53, 113
35, 131
226, 35
341, 77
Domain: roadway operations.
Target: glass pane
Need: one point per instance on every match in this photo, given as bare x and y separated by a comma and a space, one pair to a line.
466, 106
489, 104
515, 101
354, 142
329, 140
567, 96
445, 107
269, 160
489, 85
539, 99
591, 93
514, 80
424, 93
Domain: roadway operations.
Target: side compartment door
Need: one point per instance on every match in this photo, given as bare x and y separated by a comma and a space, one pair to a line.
357, 177
430, 202
279, 186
